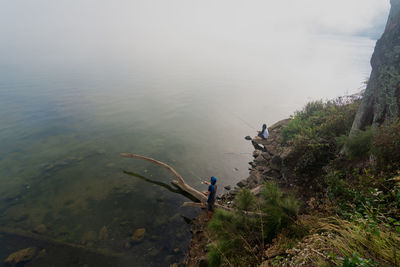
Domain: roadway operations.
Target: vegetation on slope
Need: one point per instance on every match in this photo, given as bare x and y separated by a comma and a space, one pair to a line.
354, 218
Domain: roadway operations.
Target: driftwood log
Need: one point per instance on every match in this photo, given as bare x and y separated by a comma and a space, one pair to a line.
180, 182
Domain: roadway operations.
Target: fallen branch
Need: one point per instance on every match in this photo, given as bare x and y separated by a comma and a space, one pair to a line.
179, 182
184, 186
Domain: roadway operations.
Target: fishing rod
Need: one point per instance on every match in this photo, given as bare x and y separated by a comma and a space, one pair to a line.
245, 122
198, 177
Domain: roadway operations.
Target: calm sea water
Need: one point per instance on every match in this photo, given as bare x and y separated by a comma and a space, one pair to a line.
63, 125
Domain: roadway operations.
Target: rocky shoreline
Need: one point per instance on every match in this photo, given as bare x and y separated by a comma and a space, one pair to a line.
269, 164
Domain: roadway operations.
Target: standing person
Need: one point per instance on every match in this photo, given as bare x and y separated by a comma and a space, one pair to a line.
263, 134
211, 193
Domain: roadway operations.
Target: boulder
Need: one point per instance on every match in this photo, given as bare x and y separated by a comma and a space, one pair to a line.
257, 153
22, 256
228, 187
242, 183
285, 153
271, 150
276, 163
138, 235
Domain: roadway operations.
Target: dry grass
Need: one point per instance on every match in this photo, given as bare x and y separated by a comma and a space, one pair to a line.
331, 240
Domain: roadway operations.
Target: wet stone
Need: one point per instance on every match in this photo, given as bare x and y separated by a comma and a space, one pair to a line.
138, 235
21, 256
40, 229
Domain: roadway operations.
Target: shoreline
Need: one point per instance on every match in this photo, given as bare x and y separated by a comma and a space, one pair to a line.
268, 164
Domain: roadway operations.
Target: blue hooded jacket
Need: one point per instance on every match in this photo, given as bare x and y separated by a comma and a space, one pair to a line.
212, 189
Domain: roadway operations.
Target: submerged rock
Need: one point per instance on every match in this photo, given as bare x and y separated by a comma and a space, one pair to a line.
21, 256
127, 245
89, 237
103, 234
138, 235
40, 229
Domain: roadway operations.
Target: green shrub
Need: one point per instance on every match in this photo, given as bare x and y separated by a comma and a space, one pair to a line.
386, 146
313, 133
358, 145
239, 238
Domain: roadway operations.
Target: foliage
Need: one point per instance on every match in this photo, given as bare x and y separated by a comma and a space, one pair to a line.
239, 238
313, 132
358, 145
386, 146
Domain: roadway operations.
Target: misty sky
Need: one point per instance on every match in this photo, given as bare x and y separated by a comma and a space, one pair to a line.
318, 47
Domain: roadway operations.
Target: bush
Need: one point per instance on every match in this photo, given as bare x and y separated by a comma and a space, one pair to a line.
386, 146
358, 145
313, 133
240, 238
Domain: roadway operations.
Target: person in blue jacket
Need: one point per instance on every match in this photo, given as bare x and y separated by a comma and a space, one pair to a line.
211, 193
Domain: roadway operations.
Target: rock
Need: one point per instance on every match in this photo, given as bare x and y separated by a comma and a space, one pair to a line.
261, 169
41, 254
380, 101
138, 235
266, 155
103, 234
40, 229
228, 187
285, 153
127, 245
203, 262
256, 153
278, 124
242, 183
21, 256
271, 149
276, 163
89, 237
259, 159
176, 250
248, 138
110, 165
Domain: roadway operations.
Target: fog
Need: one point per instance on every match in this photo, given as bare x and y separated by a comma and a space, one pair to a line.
294, 49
